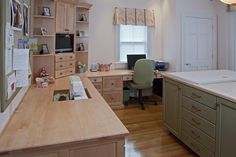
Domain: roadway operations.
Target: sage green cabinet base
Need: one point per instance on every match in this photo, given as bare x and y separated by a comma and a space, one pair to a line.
205, 122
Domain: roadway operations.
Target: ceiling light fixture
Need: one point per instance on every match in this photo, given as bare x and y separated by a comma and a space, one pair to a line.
230, 2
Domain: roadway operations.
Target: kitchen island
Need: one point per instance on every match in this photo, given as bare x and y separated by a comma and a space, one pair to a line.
200, 109
41, 127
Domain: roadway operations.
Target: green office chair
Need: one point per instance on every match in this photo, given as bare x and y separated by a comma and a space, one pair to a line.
143, 78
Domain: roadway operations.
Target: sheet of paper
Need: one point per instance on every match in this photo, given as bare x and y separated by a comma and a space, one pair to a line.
20, 59
11, 85
22, 79
9, 42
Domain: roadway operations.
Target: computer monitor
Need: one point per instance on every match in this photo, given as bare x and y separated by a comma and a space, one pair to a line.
131, 59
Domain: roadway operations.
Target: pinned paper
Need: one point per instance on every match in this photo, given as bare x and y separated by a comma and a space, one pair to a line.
11, 85
20, 59
9, 42
22, 78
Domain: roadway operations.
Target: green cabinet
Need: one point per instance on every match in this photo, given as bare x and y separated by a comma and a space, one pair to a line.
226, 131
172, 101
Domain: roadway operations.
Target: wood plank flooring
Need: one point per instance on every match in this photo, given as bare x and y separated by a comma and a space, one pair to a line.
148, 137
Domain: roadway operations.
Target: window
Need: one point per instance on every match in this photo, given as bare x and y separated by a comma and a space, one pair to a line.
133, 40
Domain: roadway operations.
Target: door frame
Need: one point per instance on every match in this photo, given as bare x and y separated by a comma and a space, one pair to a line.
214, 35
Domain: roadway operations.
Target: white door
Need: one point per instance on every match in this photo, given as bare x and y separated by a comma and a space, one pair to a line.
197, 43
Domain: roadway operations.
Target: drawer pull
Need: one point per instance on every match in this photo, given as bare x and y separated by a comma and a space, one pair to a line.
195, 109
60, 58
61, 73
112, 84
196, 122
95, 80
196, 136
61, 66
193, 145
71, 64
195, 96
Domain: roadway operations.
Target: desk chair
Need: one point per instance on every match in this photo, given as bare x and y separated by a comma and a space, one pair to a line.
143, 78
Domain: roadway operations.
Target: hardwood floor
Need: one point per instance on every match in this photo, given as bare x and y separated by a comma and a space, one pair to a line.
148, 137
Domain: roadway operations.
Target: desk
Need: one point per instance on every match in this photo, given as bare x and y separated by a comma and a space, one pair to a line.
110, 84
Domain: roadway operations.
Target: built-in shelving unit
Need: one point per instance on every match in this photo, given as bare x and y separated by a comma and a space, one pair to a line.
58, 22
82, 32
40, 21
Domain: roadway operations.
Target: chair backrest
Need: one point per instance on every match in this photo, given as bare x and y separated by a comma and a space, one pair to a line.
144, 72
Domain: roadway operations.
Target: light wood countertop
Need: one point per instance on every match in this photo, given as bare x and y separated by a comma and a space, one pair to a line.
109, 73
40, 122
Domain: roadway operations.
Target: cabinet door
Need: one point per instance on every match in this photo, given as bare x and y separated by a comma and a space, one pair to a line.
171, 106
106, 150
60, 17
226, 129
70, 18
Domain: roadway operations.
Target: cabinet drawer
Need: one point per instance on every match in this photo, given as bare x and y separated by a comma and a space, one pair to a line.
196, 146
199, 96
60, 58
199, 109
70, 71
198, 135
128, 78
95, 79
112, 83
66, 72
70, 64
60, 73
70, 57
98, 85
199, 123
61, 65
113, 98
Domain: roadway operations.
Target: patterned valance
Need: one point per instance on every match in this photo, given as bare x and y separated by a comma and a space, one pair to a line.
127, 16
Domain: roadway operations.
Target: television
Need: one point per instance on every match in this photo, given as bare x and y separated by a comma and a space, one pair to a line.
131, 60
64, 43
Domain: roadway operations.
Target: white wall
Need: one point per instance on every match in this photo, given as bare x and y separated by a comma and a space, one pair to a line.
172, 50
102, 36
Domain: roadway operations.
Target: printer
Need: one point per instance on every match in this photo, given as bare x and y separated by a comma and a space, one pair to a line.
161, 65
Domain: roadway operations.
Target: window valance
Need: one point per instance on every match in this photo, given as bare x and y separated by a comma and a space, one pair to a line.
133, 16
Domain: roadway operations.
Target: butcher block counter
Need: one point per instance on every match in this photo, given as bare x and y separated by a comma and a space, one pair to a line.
41, 127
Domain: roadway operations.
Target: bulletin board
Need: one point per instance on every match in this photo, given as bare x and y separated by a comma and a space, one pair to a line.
16, 26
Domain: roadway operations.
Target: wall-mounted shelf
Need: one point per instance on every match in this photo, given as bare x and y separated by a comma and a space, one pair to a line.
43, 17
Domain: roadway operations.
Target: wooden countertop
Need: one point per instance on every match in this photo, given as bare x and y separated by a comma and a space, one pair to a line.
225, 90
40, 122
109, 73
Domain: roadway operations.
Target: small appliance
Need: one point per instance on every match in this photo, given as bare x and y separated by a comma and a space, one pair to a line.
161, 65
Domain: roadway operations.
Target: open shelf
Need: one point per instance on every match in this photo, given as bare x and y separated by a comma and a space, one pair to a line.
86, 51
82, 36
43, 17
85, 6
82, 22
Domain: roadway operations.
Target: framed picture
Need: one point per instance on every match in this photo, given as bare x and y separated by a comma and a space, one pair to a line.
44, 31
26, 19
17, 15
81, 47
83, 18
46, 11
44, 49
